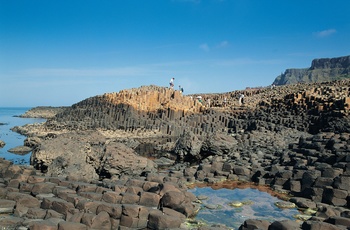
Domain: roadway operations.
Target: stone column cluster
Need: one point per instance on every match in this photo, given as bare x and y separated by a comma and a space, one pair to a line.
302, 106
30, 200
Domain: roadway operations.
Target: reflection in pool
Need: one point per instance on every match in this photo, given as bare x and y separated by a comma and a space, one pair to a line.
216, 207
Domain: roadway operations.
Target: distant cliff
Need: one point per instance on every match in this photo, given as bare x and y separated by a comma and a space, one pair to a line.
321, 70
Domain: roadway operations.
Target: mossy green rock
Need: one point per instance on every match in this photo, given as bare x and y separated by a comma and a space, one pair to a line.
285, 204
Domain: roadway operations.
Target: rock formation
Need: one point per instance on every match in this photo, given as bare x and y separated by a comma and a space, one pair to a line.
303, 106
2, 143
42, 112
323, 69
293, 138
31, 200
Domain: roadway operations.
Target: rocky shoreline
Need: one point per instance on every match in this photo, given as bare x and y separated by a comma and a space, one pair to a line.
294, 139
42, 112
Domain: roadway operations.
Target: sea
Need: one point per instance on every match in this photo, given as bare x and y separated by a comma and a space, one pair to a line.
9, 118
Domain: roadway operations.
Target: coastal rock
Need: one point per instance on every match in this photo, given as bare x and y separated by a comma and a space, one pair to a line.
187, 148
21, 150
255, 224
88, 155
2, 143
56, 201
285, 224
118, 159
32, 142
7, 206
159, 220
218, 144
42, 112
310, 225
322, 69
66, 156
292, 138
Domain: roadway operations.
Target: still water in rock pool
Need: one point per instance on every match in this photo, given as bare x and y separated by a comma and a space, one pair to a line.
232, 207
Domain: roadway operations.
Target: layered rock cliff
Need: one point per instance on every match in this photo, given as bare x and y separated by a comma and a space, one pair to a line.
323, 69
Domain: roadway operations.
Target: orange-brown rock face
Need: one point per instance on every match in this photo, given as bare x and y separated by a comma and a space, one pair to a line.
153, 98
152, 108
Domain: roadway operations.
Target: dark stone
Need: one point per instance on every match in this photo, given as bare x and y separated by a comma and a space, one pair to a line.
159, 220
318, 225
338, 220
251, 224
284, 225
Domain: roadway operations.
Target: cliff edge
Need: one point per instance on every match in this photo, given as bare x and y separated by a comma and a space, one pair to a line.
321, 70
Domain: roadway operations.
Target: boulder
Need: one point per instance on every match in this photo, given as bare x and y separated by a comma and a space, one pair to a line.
336, 197
187, 148
119, 159
178, 202
285, 225
7, 206
338, 220
20, 150
66, 225
2, 143
160, 220
114, 210
251, 224
79, 155
318, 225
11, 222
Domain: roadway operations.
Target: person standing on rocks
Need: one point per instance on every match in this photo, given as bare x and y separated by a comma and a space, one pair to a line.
181, 89
171, 83
208, 102
241, 99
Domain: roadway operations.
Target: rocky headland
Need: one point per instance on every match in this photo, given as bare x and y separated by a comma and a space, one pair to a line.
99, 164
322, 69
42, 112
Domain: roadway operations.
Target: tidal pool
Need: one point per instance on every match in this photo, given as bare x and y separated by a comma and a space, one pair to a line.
216, 207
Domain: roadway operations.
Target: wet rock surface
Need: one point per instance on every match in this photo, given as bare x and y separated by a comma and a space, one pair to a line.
2, 144
21, 150
293, 138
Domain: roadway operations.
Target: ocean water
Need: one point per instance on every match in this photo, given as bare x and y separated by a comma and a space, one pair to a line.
257, 205
8, 116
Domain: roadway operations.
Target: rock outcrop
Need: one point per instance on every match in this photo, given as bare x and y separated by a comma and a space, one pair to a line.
88, 155
2, 143
323, 69
42, 112
146, 114
302, 106
31, 200
292, 138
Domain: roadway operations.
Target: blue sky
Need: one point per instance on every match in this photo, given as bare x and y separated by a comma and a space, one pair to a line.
60, 52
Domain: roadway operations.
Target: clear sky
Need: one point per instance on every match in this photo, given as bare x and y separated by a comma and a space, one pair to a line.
59, 52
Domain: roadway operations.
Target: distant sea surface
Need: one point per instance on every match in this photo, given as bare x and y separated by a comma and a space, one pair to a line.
9, 116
